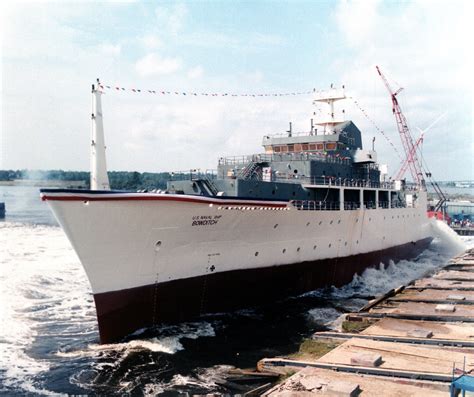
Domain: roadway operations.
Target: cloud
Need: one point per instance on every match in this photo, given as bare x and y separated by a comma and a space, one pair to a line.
154, 65
420, 45
110, 49
195, 72
172, 17
151, 42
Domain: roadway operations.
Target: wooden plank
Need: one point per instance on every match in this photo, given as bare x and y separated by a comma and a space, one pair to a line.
397, 327
399, 339
427, 317
369, 385
381, 298
268, 363
403, 356
461, 310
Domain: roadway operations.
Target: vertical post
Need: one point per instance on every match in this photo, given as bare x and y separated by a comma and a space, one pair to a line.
99, 178
341, 199
361, 198
377, 198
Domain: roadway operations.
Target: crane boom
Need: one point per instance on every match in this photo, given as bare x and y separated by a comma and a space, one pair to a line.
403, 168
404, 131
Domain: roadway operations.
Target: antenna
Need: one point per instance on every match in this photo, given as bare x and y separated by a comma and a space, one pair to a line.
290, 131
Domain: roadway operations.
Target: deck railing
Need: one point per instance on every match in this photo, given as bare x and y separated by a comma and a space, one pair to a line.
313, 205
266, 158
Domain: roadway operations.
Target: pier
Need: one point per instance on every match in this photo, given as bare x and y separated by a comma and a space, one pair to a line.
417, 339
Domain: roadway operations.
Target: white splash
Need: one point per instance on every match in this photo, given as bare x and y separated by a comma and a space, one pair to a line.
323, 315
33, 257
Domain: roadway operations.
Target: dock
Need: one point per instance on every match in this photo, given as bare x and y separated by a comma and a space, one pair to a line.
412, 341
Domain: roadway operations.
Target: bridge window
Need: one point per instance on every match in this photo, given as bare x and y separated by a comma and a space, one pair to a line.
320, 146
276, 149
291, 148
305, 146
312, 146
331, 146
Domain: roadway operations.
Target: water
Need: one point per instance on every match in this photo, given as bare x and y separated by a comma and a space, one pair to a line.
49, 337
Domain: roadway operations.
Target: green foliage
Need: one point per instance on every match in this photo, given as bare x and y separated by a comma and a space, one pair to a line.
355, 326
119, 180
313, 349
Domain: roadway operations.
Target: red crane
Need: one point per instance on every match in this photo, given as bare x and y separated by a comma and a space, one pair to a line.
403, 169
405, 135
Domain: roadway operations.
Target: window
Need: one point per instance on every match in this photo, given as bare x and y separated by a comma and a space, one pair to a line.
305, 146
320, 146
276, 149
312, 146
291, 148
331, 146
297, 147
284, 149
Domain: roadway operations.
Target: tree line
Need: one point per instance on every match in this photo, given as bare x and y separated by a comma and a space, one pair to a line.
120, 180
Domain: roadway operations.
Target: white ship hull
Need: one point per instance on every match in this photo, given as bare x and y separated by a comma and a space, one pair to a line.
156, 257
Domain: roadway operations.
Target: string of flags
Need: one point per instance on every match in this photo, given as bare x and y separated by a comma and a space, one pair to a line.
190, 93
377, 128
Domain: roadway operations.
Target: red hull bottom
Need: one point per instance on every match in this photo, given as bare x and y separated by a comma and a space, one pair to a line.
120, 313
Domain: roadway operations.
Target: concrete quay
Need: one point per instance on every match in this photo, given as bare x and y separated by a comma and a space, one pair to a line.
412, 341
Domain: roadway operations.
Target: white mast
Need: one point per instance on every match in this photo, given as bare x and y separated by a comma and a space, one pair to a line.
329, 97
99, 177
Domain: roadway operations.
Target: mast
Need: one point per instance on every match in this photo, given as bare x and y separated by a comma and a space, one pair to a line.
99, 177
329, 97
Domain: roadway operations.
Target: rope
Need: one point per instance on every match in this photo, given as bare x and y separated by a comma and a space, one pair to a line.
190, 93
377, 128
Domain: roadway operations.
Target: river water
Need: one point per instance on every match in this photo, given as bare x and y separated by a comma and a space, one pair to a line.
49, 337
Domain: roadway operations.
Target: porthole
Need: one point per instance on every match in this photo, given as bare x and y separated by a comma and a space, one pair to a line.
370, 219
357, 242
357, 220
158, 245
329, 245
275, 226
345, 243
339, 221
320, 222
256, 253
315, 246
308, 223
330, 222
284, 250
86, 202
298, 249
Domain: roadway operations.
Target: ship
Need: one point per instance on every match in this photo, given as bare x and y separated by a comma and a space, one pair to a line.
313, 209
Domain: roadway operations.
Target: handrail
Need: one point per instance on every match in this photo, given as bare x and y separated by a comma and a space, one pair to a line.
333, 181
314, 205
262, 158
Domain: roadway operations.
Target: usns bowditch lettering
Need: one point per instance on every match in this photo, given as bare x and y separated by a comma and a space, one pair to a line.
312, 210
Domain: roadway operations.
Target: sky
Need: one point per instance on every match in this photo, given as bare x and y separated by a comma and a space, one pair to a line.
51, 53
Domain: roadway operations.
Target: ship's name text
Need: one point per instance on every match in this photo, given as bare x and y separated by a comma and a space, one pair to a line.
205, 220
